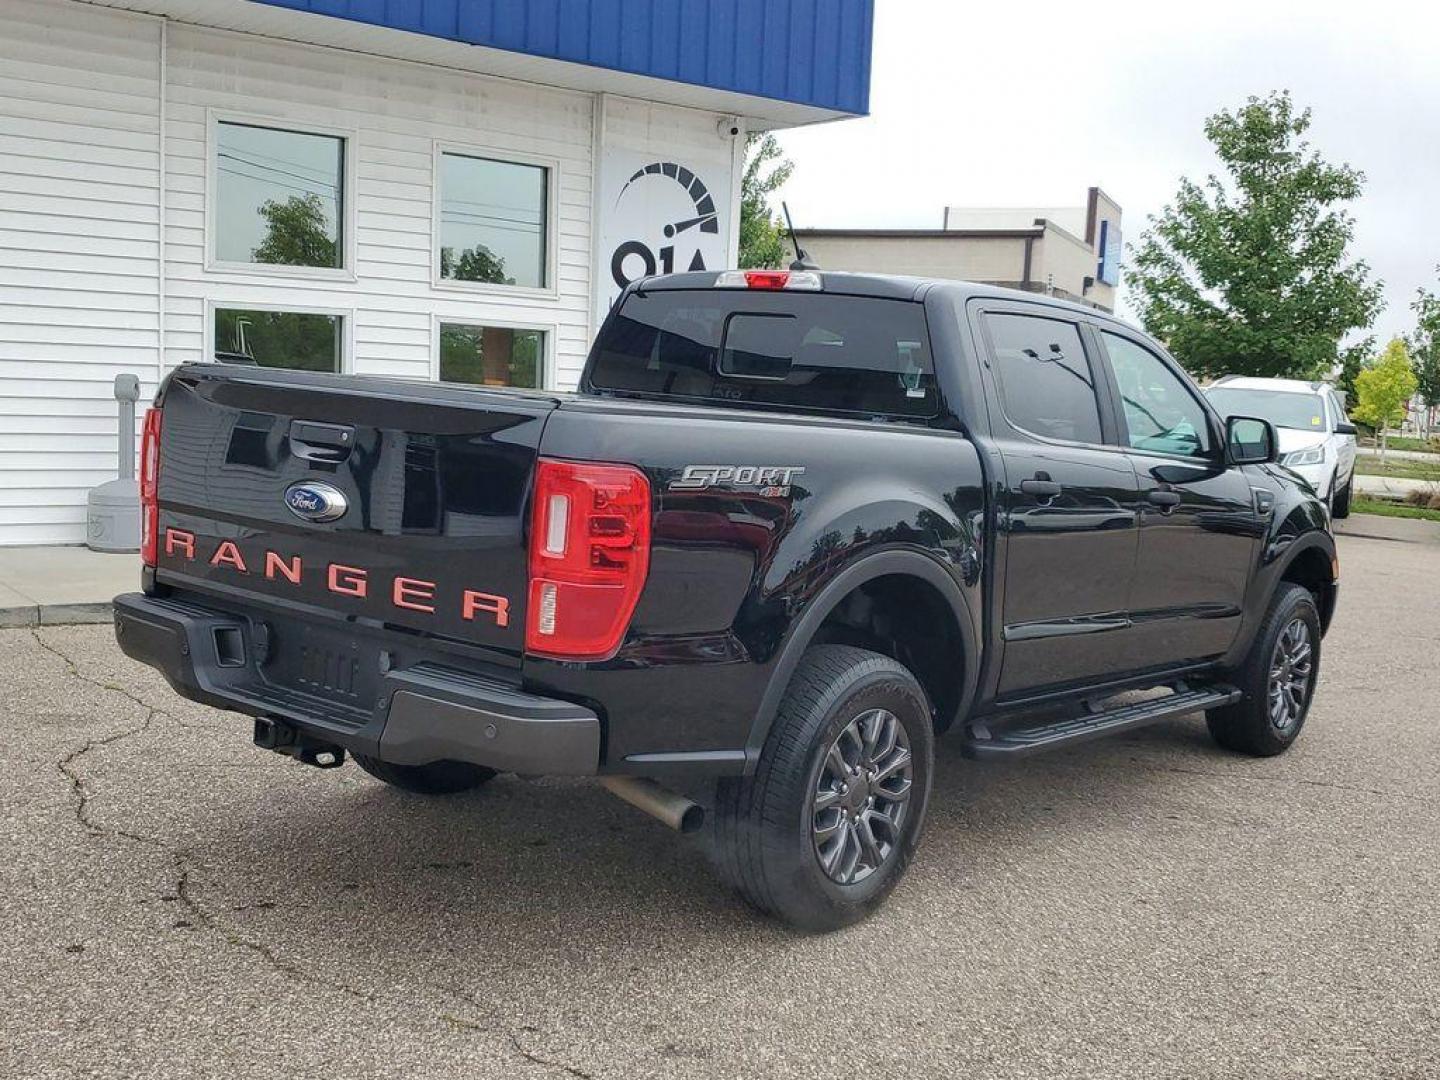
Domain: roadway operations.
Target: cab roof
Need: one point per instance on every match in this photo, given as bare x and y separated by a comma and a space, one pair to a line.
884, 286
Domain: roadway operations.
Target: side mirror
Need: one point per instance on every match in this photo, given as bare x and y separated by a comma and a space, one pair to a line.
1344, 427
1250, 441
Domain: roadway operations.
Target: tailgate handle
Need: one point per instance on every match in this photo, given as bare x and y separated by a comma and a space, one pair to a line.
313, 441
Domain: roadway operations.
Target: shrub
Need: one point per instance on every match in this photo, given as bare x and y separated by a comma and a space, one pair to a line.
1425, 498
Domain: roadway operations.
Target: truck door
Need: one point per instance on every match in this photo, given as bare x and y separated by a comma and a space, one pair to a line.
1198, 520
1066, 503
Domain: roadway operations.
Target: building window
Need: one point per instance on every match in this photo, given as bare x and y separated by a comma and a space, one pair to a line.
491, 355
493, 222
279, 197
307, 341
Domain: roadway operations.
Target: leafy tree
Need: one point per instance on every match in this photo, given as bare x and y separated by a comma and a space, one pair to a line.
297, 233
289, 339
762, 234
1425, 346
1248, 274
1384, 388
474, 264
1353, 359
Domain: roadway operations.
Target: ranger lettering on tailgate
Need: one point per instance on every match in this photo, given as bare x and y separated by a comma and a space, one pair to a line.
411, 594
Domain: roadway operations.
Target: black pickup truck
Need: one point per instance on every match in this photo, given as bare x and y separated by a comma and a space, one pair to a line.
792, 527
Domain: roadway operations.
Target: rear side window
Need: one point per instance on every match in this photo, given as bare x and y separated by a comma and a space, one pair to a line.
805, 351
1046, 384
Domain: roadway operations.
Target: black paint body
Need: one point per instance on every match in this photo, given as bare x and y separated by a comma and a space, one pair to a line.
1046, 597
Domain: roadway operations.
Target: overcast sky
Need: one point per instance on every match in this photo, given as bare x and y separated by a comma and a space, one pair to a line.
1030, 103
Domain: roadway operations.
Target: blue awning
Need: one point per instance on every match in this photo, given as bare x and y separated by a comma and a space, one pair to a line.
814, 53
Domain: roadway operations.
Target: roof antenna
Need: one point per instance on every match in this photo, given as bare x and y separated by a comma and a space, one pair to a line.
802, 260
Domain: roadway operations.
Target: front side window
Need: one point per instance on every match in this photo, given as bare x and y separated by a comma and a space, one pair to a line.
493, 221
306, 341
1046, 384
491, 355
279, 197
1161, 414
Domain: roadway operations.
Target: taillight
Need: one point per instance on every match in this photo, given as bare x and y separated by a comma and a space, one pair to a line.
805, 280
589, 553
149, 482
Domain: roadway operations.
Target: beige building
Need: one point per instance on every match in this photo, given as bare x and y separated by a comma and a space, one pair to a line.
1070, 252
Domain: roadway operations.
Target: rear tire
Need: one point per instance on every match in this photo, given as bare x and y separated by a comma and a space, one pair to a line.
436, 778
1340, 500
827, 825
1278, 679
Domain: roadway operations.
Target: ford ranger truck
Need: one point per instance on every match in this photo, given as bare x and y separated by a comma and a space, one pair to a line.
792, 527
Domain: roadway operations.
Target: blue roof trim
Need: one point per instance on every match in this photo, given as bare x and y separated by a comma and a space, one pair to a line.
813, 52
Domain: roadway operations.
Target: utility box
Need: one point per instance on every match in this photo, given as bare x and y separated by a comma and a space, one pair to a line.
113, 508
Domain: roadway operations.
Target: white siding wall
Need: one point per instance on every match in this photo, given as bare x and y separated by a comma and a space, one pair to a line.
395, 113
79, 240
80, 283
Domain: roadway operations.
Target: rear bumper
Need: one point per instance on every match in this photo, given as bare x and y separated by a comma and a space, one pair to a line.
420, 714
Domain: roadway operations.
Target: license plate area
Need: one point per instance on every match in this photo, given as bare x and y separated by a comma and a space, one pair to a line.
342, 669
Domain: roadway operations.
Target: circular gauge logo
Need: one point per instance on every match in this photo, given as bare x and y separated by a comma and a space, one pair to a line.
670, 193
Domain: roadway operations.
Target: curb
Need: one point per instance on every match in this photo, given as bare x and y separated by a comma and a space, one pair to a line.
55, 615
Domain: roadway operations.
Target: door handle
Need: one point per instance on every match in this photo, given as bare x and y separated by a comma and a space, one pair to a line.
327, 443
1165, 499
1041, 489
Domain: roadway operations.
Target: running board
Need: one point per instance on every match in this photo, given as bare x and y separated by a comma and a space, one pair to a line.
982, 742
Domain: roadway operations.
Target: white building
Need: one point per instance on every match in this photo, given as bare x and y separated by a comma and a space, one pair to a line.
1072, 252
454, 188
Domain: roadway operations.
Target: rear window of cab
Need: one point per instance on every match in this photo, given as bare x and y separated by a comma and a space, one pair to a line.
857, 355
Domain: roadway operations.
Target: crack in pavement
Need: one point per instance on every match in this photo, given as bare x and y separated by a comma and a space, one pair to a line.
183, 891
186, 872
536, 1059
68, 768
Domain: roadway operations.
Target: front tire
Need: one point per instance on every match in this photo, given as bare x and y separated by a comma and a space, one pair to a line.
1340, 498
1278, 679
436, 778
827, 825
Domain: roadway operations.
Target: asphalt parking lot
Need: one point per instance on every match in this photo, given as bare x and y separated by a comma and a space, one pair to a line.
175, 903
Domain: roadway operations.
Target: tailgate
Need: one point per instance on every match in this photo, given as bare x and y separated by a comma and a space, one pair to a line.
397, 504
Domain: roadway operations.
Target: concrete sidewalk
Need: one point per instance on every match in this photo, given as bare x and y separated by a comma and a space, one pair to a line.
1391, 487
41, 585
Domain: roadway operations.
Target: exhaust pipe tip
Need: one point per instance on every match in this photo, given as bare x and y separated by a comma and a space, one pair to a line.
666, 806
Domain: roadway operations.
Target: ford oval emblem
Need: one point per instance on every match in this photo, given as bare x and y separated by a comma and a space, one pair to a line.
314, 500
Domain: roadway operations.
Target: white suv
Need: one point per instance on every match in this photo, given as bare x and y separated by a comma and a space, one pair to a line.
1317, 439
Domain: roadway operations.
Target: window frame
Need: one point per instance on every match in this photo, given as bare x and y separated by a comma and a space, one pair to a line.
547, 354
346, 316
551, 289
349, 140
1215, 454
1104, 399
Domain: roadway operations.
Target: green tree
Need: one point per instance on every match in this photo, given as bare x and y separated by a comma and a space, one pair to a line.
1249, 274
474, 264
1353, 359
1383, 389
297, 233
762, 234
1425, 349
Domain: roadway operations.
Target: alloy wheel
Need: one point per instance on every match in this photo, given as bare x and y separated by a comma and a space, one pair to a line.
1292, 665
862, 796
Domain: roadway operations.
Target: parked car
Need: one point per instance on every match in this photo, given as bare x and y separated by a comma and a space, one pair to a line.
1317, 439
792, 527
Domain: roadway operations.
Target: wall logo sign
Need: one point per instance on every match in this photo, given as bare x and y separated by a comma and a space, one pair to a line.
664, 207
663, 184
